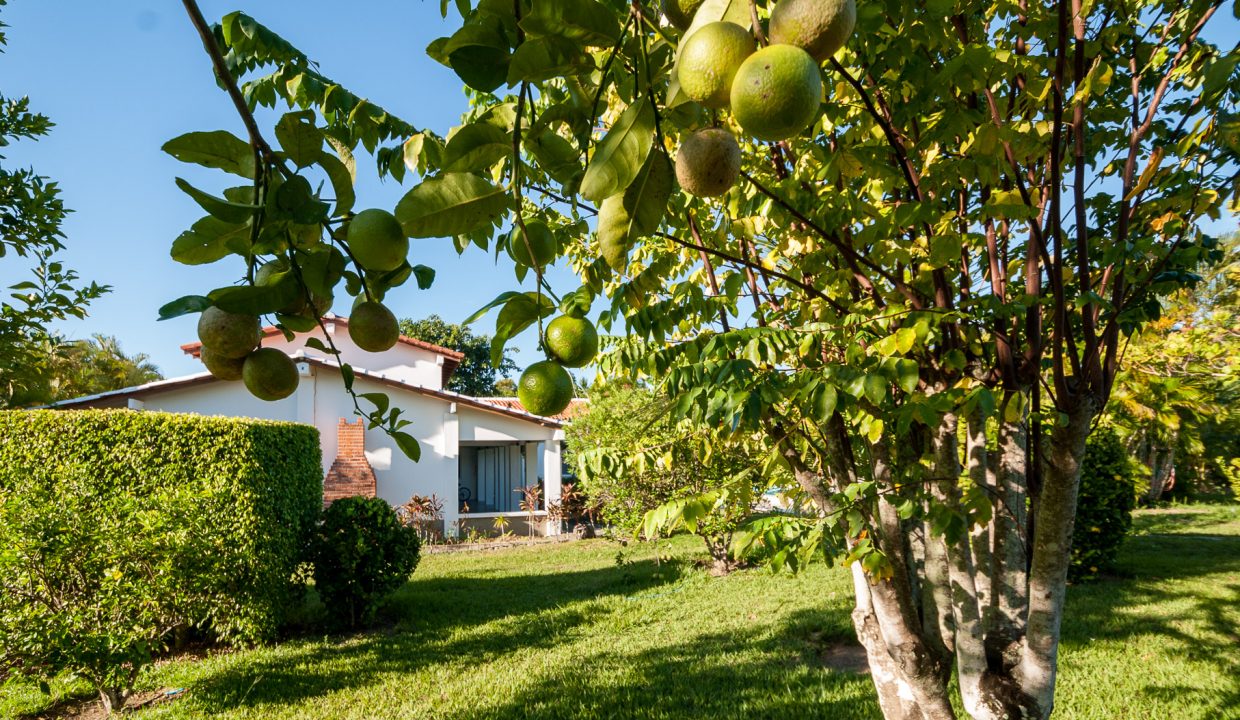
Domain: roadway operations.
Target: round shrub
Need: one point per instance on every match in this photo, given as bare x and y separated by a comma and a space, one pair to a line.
1104, 506
361, 553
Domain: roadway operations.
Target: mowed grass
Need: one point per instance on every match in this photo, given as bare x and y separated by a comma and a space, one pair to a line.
594, 630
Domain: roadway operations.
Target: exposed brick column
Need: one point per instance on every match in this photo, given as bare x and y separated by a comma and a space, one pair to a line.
350, 473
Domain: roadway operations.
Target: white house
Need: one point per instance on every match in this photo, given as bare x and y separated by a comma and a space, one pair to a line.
476, 452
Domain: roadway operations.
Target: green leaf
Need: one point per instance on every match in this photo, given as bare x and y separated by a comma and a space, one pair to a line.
346, 373
229, 212
499, 300
217, 149
184, 306
521, 311
379, 400
408, 444
342, 181
875, 388
587, 21
254, 299
478, 54
299, 138
452, 204
476, 146
626, 217
208, 240
424, 275
825, 400
556, 156
620, 154
546, 58
907, 374
297, 323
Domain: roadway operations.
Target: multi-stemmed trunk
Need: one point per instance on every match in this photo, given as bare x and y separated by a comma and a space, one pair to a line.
986, 602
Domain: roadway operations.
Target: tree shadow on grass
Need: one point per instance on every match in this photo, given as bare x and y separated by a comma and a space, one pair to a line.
1155, 566
758, 673
426, 613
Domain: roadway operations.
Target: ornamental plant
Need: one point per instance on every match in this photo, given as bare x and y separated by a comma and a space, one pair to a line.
988, 199
361, 552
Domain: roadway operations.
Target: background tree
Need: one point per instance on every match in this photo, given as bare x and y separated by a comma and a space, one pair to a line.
1176, 397
31, 214
475, 375
87, 367
992, 199
663, 461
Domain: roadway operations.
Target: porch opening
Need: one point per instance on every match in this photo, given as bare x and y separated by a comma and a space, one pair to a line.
492, 476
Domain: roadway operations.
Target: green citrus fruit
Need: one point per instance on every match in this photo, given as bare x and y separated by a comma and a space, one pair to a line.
545, 388
572, 341
377, 240
819, 27
680, 12
228, 335
221, 367
269, 374
777, 92
709, 59
541, 241
373, 327
708, 162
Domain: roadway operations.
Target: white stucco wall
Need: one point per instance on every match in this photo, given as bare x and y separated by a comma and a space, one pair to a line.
440, 425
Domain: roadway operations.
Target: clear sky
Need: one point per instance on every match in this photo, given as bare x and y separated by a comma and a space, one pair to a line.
120, 78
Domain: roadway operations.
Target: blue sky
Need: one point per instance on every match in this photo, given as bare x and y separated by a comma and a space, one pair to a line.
121, 78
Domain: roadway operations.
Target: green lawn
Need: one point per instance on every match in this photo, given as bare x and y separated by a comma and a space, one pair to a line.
566, 631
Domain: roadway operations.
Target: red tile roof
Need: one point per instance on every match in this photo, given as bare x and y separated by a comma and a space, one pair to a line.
575, 407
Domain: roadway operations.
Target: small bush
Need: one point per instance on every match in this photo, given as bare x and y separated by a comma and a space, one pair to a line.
361, 553
1104, 506
117, 527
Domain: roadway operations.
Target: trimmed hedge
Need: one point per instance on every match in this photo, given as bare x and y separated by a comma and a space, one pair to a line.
226, 505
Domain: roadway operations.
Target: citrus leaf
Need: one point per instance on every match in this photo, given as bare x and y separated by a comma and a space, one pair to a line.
587, 21
342, 181
229, 212
452, 204
217, 149
476, 146
545, 58
184, 306
620, 154
208, 240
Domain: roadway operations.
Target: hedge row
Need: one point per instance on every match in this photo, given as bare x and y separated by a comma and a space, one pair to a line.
173, 519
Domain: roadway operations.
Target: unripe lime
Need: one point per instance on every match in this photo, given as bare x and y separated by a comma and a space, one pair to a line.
373, 327
545, 389
377, 240
221, 367
708, 162
572, 341
709, 59
819, 27
228, 335
680, 12
269, 374
777, 92
540, 240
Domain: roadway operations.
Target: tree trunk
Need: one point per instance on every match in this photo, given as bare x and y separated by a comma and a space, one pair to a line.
113, 699
1048, 574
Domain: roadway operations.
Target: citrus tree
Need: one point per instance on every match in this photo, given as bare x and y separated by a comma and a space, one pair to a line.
886, 228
